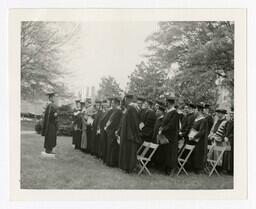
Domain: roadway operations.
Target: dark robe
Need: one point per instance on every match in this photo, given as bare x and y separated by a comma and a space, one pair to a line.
112, 145
210, 122
142, 114
158, 157
149, 122
170, 129
102, 149
198, 155
77, 130
95, 138
228, 157
187, 125
129, 139
50, 127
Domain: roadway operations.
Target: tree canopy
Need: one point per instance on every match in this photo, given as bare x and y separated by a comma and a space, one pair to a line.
204, 53
108, 87
41, 68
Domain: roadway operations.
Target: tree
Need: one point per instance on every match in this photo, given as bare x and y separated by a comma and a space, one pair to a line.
109, 88
148, 80
41, 69
204, 52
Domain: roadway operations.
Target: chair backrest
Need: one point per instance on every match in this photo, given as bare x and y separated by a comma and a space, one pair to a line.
187, 147
213, 148
144, 149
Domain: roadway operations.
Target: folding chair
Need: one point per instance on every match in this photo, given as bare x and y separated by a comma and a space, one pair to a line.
144, 155
182, 161
211, 162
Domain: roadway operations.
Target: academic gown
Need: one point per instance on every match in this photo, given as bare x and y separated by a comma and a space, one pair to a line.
228, 157
112, 145
198, 155
158, 157
77, 130
50, 127
210, 122
95, 137
129, 139
102, 149
149, 122
186, 125
170, 128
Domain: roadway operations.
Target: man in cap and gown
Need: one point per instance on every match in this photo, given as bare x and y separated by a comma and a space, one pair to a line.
97, 130
129, 136
158, 157
199, 139
208, 117
94, 128
169, 128
147, 122
187, 122
77, 125
107, 111
228, 157
217, 133
86, 114
50, 126
111, 127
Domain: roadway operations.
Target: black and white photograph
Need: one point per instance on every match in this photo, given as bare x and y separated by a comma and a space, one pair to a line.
127, 105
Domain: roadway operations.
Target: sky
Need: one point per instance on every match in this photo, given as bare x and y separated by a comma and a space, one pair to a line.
105, 48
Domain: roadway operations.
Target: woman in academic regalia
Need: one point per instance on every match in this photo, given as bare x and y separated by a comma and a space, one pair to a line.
50, 127
200, 125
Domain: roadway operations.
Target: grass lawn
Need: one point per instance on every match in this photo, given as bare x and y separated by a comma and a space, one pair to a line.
75, 170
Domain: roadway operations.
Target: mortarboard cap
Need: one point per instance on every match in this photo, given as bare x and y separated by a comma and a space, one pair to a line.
105, 101
206, 106
129, 96
159, 102
161, 108
150, 102
51, 94
97, 101
200, 106
77, 100
116, 99
141, 98
192, 105
170, 99
221, 111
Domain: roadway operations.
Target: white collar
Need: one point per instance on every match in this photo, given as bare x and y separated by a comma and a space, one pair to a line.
171, 109
201, 117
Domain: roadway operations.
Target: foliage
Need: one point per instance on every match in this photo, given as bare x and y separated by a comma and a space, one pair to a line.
204, 52
109, 88
64, 121
41, 68
148, 80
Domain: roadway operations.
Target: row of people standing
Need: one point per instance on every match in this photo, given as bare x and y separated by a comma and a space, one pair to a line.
113, 130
